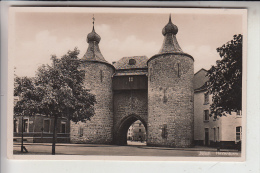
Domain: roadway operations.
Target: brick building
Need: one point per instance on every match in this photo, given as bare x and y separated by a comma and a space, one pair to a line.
39, 128
157, 91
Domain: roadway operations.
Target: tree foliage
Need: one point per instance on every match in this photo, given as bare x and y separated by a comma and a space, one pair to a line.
225, 78
57, 90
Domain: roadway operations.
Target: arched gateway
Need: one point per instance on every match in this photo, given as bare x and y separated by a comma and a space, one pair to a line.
121, 132
157, 91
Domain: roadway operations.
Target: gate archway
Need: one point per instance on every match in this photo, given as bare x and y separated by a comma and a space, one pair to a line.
121, 133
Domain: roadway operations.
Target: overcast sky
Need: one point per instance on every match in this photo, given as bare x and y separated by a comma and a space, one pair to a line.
38, 34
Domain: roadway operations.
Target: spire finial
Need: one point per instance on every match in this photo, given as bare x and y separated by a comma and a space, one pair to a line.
170, 18
93, 21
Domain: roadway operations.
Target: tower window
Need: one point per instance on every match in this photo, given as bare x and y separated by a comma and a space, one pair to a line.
80, 131
178, 69
164, 131
132, 62
101, 76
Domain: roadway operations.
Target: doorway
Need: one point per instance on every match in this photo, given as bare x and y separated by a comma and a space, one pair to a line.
206, 136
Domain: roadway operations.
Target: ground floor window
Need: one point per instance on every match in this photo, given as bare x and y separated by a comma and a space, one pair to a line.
26, 125
15, 125
238, 133
218, 138
80, 131
46, 126
206, 136
215, 135
63, 127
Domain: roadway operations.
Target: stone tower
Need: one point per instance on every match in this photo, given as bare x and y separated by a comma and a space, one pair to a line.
98, 78
170, 94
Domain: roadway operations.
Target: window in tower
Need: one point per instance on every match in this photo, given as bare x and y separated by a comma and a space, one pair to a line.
80, 131
101, 76
178, 69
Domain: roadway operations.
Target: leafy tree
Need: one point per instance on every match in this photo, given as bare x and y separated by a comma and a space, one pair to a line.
56, 91
225, 79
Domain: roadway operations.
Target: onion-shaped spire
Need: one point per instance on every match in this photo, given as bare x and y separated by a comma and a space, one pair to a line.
170, 28
93, 52
170, 43
93, 36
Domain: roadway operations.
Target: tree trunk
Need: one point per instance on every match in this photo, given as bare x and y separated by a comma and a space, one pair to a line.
54, 134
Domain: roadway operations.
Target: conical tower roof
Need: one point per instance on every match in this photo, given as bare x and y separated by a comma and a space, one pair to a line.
170, 43
93, 52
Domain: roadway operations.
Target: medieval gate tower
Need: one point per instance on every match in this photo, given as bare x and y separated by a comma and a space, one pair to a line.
158, 91
170, 93
98, 79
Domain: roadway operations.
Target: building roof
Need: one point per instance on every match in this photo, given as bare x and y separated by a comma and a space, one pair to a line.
200, 80
170, 43
93, 52
137, 63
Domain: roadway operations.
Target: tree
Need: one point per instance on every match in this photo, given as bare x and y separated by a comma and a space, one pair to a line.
56, 91
225, 79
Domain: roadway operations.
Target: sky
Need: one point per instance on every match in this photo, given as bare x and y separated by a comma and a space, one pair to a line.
37, 34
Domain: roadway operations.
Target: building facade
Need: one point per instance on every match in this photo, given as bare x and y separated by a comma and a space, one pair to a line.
39, 128
223, 132
137, 132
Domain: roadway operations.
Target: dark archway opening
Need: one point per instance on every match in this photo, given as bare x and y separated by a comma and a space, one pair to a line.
123, 132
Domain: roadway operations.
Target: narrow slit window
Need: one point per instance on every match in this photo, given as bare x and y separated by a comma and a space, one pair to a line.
178, 69
101, 76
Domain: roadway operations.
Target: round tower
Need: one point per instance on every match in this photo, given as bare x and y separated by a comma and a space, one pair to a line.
98, 79
170, 93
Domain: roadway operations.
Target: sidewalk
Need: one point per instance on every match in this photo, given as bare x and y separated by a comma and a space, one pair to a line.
129, 150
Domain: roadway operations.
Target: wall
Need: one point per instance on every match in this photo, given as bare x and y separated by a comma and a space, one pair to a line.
128, 103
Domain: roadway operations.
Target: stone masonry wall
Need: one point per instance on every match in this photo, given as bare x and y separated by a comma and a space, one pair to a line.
170, 101
127, 103
99, 129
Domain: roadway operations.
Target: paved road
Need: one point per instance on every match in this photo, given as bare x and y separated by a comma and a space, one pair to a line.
135, 149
